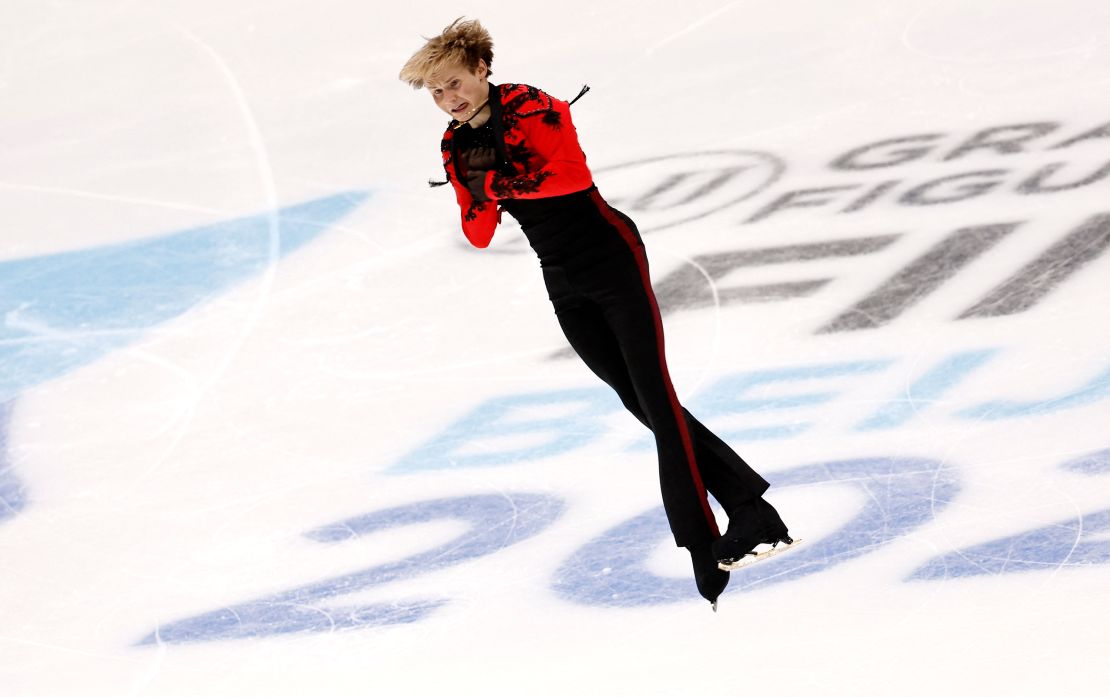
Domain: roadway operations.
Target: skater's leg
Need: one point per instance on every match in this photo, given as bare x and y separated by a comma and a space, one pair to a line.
726, 475
641, 346
622, 344
589, 334
621, 287
752, 520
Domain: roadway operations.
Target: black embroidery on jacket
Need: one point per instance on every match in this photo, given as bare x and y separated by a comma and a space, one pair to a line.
553, 119
513, 187
473, 210
518, 152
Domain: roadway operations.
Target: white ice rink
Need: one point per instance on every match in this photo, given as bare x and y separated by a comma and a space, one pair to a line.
269, 427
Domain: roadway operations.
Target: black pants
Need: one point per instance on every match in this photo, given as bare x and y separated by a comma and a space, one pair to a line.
596, 273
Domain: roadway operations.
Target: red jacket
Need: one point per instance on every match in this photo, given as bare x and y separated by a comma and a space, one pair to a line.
534, 134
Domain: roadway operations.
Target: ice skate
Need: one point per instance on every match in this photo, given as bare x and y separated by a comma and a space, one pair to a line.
758, 554
750, 525
711, 579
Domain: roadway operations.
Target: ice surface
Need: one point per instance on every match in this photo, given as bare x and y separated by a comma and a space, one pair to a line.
268, 425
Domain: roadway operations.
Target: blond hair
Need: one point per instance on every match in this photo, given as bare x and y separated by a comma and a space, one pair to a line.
463, 42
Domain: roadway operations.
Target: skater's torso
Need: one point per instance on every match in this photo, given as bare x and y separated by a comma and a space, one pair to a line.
528, 129
529, 212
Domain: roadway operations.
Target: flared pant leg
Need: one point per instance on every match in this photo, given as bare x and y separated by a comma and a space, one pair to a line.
596, 272
726, 475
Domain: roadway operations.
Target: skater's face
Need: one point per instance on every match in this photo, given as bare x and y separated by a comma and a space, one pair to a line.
459, 91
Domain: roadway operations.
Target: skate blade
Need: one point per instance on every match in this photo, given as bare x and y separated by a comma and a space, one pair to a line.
749, 559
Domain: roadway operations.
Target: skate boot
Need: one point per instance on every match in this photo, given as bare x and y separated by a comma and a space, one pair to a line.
754, 523
710, 578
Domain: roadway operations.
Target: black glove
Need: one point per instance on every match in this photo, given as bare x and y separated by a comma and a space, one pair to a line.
480, 158
476, 183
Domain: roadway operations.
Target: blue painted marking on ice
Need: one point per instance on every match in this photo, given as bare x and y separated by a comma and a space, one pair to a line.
494, 522
499, 416
12, 496
1067, 544
927, 390
1093, 463
1095, 390
274, 617
901, 494
62, 311
725, 397
729, 396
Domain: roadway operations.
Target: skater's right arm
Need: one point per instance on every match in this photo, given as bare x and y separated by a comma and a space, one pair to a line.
479, 218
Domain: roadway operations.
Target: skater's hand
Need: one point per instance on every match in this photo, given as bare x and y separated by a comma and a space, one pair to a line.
476, 183
480, 158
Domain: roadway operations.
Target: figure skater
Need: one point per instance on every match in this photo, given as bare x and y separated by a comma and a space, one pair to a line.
512, 147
